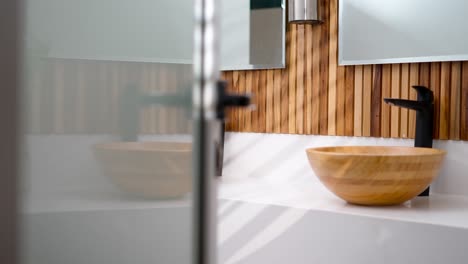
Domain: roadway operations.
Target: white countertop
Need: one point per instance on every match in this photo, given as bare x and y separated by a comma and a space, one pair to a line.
308, 193
273, 170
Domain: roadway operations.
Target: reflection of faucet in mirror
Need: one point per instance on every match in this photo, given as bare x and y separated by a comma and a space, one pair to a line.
132, 100
424, 108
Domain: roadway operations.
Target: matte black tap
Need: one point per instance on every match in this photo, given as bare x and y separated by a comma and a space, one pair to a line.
424, 107
226, 100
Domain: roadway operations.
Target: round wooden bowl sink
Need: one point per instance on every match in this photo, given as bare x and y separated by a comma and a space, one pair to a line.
376, 175
148, 169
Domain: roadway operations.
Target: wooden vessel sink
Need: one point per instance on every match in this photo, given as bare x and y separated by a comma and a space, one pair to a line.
148, 169
376, 175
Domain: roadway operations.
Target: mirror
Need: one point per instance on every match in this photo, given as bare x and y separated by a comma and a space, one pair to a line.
253, 34
252, 37
398, 31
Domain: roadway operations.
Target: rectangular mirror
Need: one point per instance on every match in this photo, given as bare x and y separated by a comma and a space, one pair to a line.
398, 31
253, 34
253, 31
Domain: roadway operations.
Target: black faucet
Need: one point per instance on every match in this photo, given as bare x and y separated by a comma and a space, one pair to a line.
226, 100
424, 108
131, 101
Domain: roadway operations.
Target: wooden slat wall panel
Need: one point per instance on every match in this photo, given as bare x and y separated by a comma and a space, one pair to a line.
347, 100
313, 95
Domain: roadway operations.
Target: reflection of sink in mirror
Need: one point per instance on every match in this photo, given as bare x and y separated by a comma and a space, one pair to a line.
147, 169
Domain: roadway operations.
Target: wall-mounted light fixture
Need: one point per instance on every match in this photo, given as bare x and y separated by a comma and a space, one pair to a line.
304, 12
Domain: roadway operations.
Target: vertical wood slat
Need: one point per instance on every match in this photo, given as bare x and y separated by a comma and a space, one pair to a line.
277, 101
367, 101
435, 87
284, 102
386, 93
324, 67
395, 93
261, 103
414, 80
242, 111
404, 94
349, 101
444, 101
308, 104
332, 69
269, 101
80, 95
227, 76
376, 100
145, 112
235, 110
58, 86
455, 100
464, 102
340, 100
292, 79
358, 100
300, 79
316, 102
249, 90
255, 89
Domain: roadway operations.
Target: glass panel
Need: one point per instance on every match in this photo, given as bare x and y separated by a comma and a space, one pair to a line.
107, 148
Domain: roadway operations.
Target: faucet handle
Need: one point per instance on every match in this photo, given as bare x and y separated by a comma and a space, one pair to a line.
424, 94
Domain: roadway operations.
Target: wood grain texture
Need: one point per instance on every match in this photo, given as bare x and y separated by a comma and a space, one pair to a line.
376, 101
315, 101
404, 94
277, 101
444, 101
270, 85
324, 66
332, 68
349, 101
313, 95
261, 102
464, 102
300, 74
390, 175
386, 93
455, 101
309, 72
292, 79
358, 99
435, 87
367, 101
395, 93
414, 80
248, 90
